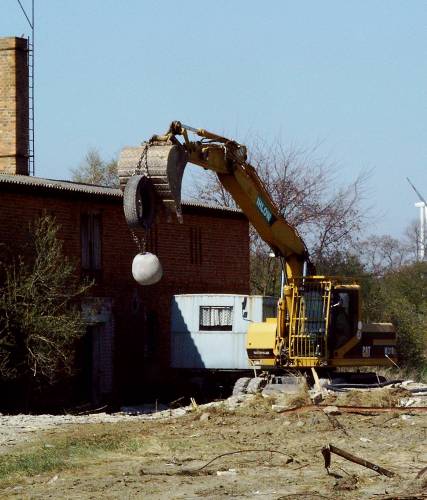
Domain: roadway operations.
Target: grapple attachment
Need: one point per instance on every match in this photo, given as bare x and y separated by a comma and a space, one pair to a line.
159, 168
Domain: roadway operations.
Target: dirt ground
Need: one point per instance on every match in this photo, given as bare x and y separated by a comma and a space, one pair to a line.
166, 459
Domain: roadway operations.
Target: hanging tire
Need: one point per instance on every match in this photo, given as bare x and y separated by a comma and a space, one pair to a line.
240, 386
139, 202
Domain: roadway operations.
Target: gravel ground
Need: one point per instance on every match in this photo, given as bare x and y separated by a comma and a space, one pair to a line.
15, 429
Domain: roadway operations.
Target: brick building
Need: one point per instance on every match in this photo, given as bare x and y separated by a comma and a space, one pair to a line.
128, 341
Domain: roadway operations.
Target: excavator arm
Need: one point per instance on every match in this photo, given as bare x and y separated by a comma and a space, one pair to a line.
228, 160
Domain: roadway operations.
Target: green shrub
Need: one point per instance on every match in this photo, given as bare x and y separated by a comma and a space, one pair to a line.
39, 318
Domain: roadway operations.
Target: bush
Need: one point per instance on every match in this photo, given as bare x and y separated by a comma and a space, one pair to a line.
39, 318
401, 297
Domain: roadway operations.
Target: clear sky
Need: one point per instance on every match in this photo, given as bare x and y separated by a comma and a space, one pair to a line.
348, 75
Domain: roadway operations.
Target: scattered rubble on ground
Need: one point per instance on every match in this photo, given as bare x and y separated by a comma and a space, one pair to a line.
243, 447
408, 394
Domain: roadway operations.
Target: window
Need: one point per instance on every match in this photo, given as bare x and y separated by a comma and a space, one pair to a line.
216, 318
196, 245
90, 235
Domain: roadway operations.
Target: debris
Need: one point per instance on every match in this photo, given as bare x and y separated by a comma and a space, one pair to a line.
53, 479
331, 410
316, 397
346, 483
407, 402
176, 402
285, 385
229, 472
316, 379
327, 450
194, 405
365, 440
279, 408
204, 417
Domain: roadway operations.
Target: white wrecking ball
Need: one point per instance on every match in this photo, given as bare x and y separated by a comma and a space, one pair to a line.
146, 269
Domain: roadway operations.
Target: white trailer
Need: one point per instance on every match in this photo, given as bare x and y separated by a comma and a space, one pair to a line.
208, 331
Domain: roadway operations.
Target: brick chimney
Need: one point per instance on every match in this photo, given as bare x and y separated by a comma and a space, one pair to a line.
14, 125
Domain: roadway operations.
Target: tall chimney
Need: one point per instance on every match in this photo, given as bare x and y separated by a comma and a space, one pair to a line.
14, 124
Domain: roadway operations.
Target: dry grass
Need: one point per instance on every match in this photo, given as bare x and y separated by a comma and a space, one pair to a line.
392, 372
69, 450
383, 397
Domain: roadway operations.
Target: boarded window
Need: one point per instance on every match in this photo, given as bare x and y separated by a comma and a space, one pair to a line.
216, 318
91, 248
196, 245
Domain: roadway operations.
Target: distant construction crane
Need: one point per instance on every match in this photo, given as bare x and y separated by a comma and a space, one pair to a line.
422, 205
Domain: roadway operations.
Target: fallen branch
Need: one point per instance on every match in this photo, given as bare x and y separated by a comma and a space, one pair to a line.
94, 410
327, 450
289, 459
193, 471
413, 496
422, 472
336, 424
174, 404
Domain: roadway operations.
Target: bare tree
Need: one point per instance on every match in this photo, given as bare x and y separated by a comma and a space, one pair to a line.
94, 170
302, 186
412, 239
382, 254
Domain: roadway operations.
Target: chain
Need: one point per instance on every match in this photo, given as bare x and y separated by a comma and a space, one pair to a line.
140, 167
141, 242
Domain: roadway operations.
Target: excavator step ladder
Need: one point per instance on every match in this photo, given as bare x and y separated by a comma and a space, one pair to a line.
308, 321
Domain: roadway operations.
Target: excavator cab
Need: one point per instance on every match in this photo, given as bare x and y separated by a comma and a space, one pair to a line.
320, 326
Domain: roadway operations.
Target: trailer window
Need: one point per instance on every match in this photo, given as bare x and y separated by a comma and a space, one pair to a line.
216, 318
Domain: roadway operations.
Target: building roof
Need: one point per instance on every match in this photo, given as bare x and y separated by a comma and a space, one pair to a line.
40, 183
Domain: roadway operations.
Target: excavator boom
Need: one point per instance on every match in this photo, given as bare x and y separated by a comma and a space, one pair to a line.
228, 160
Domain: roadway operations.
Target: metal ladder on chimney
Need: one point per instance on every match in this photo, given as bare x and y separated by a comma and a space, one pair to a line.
31, 168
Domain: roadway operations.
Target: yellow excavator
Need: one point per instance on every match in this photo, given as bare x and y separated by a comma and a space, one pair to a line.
318, 323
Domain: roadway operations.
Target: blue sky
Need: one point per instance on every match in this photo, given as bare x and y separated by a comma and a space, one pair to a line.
350, 76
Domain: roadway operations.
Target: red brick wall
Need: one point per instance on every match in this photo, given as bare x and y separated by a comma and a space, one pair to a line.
224, 266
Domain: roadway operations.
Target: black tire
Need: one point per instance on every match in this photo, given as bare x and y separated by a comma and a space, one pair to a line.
139, 202
240, 386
